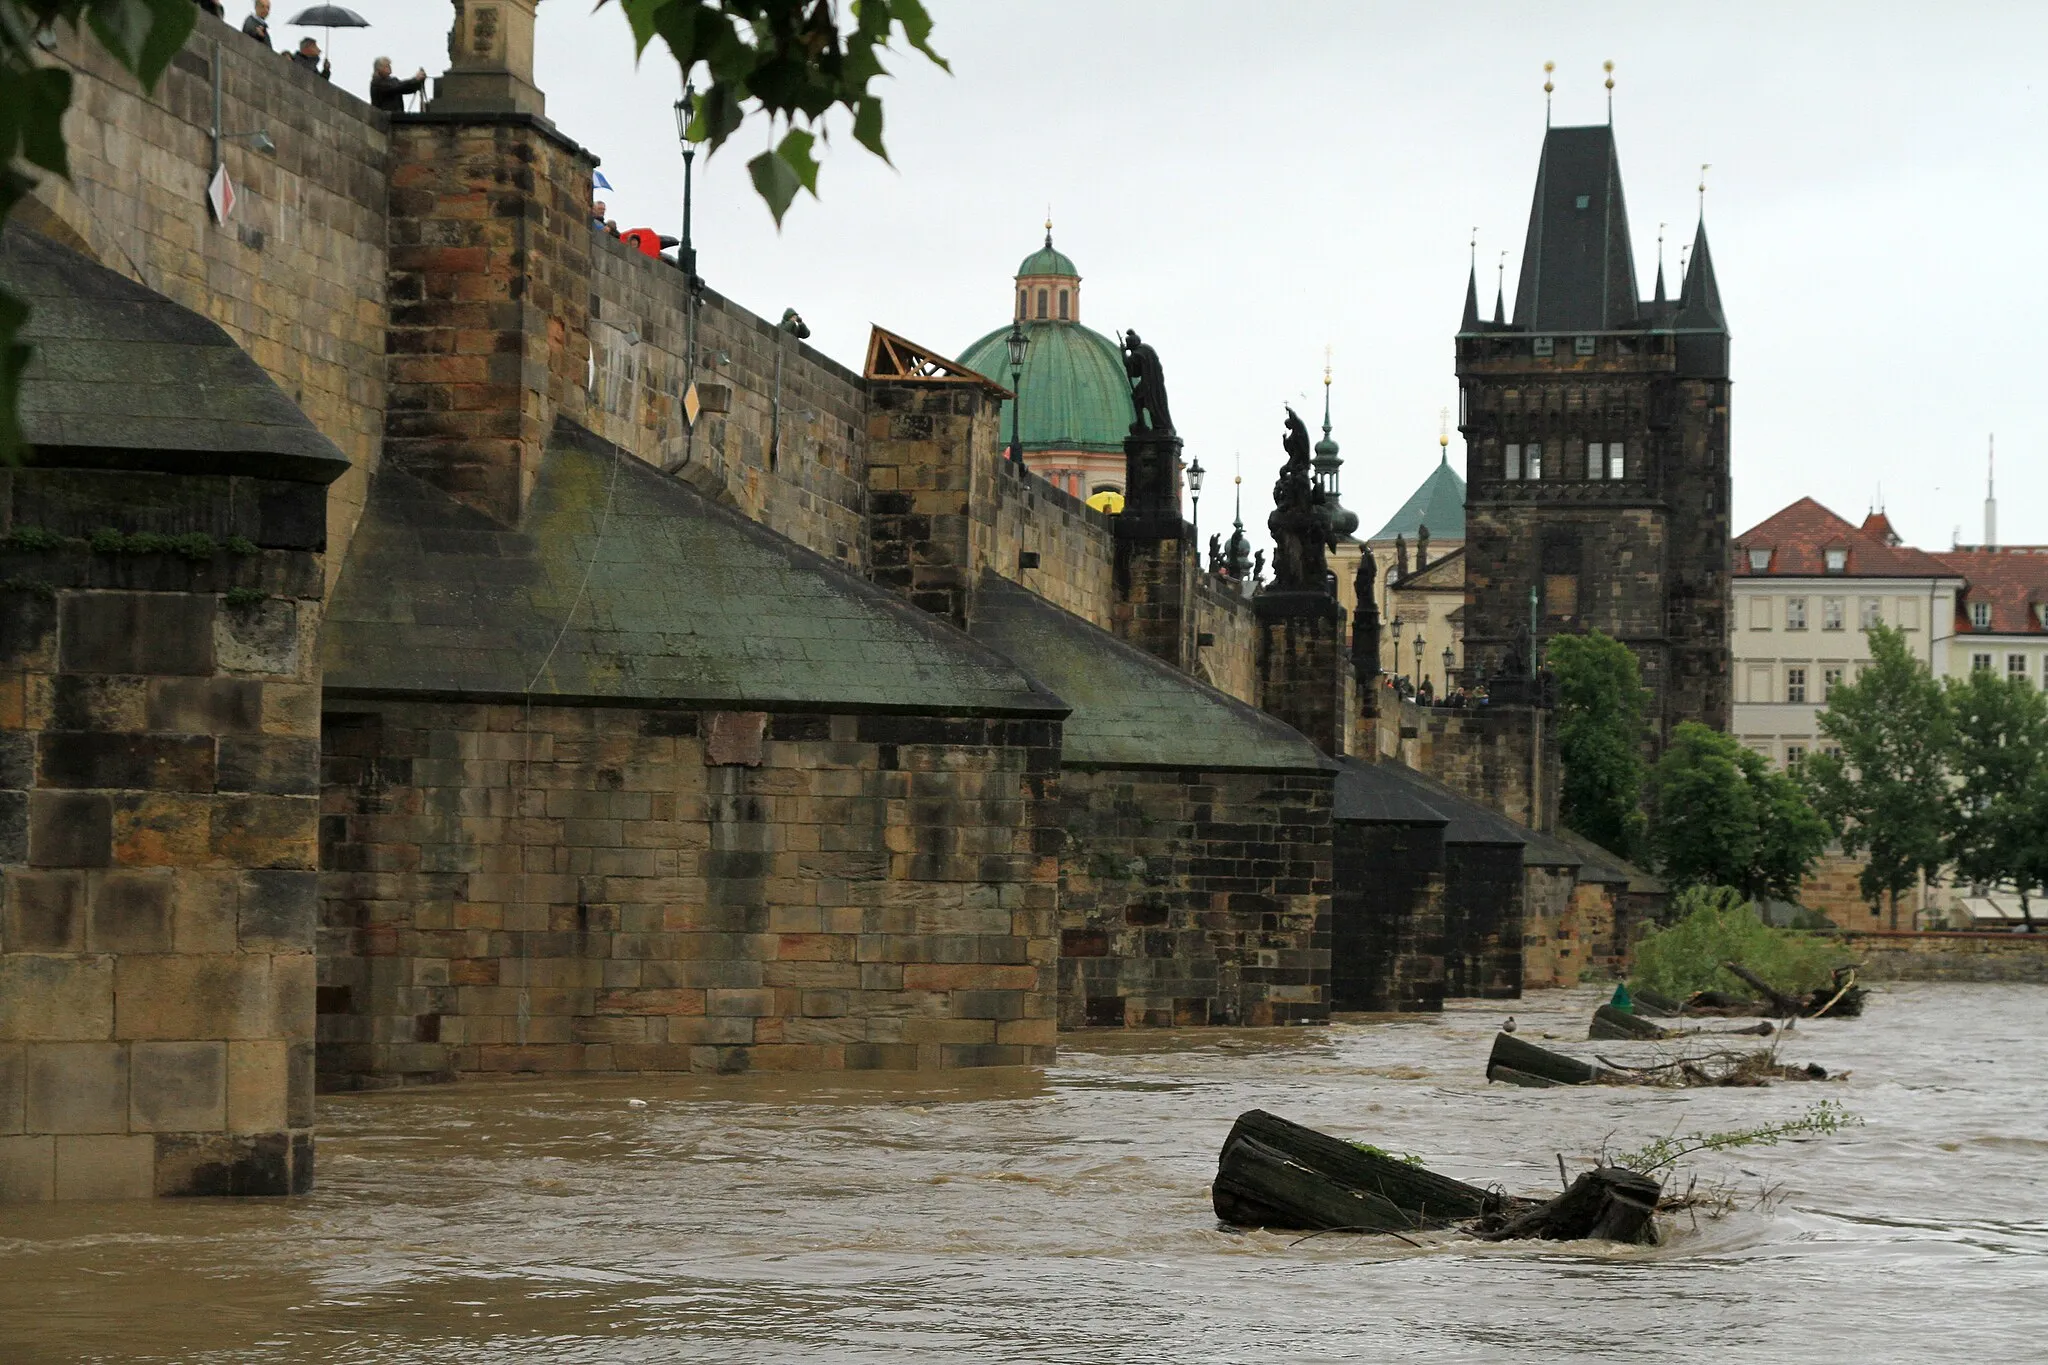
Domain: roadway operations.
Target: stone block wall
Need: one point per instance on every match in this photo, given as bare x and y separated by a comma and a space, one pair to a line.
1940, 956
1194, 898
574, 889
490, 302
296, 275
1302, 664
1387, 915
1483, 896
1071, 539
790, 450
1502, 757
158, 760
1230, 664
1553, 940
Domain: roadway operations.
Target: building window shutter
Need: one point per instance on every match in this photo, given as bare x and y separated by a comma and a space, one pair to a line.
1514, 462
1596, 459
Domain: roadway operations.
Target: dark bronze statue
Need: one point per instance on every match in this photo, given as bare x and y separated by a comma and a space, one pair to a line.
1259, 567
1300, 523
1216, 553
1148, 388
1365, 630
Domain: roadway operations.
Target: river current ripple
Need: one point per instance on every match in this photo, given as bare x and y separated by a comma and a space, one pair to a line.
1064, 1217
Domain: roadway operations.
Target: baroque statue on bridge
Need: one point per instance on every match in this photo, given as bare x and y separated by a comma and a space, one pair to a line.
1148, 388
1300, 523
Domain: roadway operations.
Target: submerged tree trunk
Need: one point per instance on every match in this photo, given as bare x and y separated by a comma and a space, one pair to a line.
1520, 1063
1610, 1023
1276, 1174
1784, 1005
1611, 1203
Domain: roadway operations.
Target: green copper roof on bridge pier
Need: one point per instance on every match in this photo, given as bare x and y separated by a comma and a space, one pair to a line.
1438, 504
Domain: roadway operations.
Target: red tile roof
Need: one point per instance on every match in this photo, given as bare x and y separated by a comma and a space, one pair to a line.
2012, 578
1880, 525
1799, 537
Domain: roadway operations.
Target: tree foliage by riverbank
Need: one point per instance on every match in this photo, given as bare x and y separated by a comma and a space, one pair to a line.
1725, 817
1717, 924
1600, 731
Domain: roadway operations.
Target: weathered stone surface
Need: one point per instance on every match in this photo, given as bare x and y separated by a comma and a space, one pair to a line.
44, 912
48, 997
28, 1169
177, 1087
132, 911
77, 1088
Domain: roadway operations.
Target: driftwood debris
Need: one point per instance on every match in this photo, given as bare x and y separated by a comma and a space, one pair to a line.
1517, 1062
1841, 998
1275, 1174
1611, 1203
1611, 1023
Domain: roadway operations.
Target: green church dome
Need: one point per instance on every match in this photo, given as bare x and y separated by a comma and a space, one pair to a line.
1046, 261
1074, 390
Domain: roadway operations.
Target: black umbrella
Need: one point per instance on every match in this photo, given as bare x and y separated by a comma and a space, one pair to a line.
330, 18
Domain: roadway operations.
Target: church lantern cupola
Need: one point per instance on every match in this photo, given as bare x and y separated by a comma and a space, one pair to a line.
1328, 465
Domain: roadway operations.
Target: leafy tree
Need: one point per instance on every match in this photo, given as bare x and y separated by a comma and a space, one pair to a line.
1726, 818
1711, 925
1887, 791
2000, 745
792, 59
143, 35
1600, 733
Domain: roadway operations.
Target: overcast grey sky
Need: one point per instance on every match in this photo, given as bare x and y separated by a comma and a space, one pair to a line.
1246, 184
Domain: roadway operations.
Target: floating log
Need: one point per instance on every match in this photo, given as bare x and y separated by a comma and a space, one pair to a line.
1654, 1005
1782, 1005
1611, 1203
1611, 1023
1276, 1174
1512, 1055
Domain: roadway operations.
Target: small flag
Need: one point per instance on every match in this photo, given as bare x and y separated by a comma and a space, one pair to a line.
597, 180
220, 195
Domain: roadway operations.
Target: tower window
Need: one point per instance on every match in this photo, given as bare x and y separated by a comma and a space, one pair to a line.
1545, 345
1063, 305
1596, 459
1617, 464
1513, 466
1532, 460
1582, 345
1042, 299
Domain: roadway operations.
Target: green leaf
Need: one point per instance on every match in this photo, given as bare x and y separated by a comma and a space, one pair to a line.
917, 27
776, 181
867, 126
143, 34
45, 94
797, 152
640, 15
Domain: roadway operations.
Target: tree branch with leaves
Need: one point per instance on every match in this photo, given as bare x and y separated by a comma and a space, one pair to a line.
790, 60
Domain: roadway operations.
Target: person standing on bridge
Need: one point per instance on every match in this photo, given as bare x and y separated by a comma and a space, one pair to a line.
308, 56
257, 25
387, 92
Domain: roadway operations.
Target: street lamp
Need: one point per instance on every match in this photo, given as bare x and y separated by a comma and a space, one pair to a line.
1418, 658
1195, 473
686, 113
1018, 343
1449, 658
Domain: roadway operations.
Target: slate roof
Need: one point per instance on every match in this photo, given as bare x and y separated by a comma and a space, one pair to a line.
1131, 710
1578, 268
1465, 822
684, 603
2012, 578
1799, 537
1602, 866
122, 375
1375, 794
1438, 503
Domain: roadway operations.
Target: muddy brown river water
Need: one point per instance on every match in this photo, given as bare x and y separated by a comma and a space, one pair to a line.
1065, 1216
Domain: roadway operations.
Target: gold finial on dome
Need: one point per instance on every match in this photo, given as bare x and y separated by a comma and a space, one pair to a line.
1326, 365
1443, 427
1608, 67
1548, 67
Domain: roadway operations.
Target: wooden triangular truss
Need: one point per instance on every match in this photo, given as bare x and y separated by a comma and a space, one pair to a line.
894, 357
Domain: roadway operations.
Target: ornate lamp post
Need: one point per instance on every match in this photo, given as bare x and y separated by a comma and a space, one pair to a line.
1195, 473
686, 111
1418, 657
1019, 344
1449, 658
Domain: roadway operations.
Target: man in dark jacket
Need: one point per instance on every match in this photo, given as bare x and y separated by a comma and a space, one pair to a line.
257, 25
308, 56
387, 92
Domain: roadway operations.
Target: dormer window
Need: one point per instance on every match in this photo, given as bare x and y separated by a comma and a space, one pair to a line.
1837, 561
1980, 615
1759, 561
1546, 345
2041, 614
1582, 345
